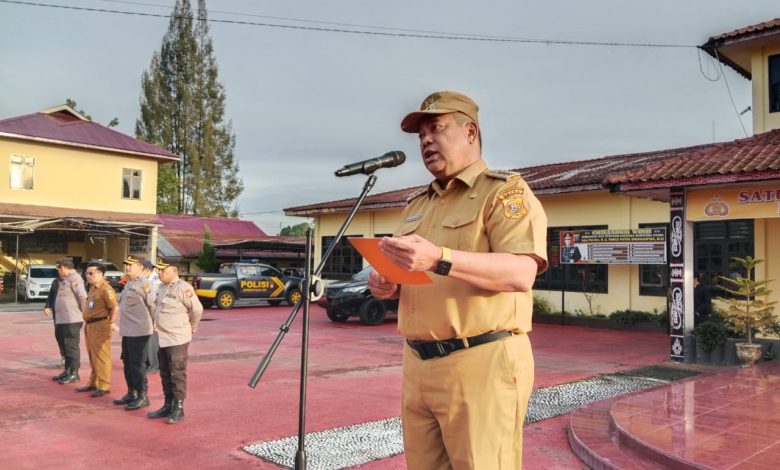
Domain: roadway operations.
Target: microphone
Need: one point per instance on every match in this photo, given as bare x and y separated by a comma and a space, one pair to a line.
388, 160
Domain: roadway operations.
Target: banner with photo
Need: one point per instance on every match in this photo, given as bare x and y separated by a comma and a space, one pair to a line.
629, 246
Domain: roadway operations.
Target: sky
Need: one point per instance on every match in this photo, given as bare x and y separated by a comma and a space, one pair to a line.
304, 101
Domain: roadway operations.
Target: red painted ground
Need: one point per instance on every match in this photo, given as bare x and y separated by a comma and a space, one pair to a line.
354, 377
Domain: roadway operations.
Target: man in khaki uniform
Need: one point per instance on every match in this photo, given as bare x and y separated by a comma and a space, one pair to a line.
100, 316
177, 313
467, 366
136, 306
70, 302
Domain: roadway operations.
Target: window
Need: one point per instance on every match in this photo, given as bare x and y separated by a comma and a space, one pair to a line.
571, 277
22, 169
343, 262
774, 83
715, 243
654, 278
131, 183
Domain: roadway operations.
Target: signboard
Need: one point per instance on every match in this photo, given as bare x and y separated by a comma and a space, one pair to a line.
630, 246
759, 202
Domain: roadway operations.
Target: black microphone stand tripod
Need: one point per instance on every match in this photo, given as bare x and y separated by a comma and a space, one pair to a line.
310, 279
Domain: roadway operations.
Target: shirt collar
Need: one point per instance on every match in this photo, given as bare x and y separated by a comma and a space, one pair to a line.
468, 176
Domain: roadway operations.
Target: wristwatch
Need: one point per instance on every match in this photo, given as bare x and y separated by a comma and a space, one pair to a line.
445, 263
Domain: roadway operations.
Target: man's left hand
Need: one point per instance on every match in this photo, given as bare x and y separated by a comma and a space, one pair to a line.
411, 252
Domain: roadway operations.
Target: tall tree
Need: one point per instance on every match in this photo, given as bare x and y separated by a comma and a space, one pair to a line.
207, 258
183, 110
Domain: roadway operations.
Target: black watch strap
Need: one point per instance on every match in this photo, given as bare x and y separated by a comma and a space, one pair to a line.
445, 263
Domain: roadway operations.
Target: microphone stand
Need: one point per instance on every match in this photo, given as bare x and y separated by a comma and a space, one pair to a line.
310, 279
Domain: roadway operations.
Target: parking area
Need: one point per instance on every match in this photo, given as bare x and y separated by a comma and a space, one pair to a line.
354, 377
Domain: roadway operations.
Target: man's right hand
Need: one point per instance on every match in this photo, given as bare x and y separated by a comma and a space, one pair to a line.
381, 288
47, 312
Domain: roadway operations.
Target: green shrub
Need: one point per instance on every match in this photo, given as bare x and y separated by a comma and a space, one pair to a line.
632, 317
542, 306
711, 333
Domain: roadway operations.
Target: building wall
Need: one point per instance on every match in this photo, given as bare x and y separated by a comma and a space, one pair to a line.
616, 212
77, 178
763, 121
591, 208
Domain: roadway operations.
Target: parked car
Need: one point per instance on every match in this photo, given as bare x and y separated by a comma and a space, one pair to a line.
113, 274
35, 281
352, 298
245, 281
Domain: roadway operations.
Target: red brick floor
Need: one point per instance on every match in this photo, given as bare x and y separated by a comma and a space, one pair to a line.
354, 377
723, 420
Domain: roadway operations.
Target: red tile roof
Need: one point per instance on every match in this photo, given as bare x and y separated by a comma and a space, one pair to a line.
748, 33
63, 125
749, 159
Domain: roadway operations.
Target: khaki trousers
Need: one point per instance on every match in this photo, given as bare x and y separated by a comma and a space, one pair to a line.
97, 336
466, 410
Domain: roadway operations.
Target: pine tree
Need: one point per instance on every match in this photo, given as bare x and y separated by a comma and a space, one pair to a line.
207, 258
183, 110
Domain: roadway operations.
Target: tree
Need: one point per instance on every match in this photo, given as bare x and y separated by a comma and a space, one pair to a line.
183, 110
746, 309
72, 103
207, 258
298, 230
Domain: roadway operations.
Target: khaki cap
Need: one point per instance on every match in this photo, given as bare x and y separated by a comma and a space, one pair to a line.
441, 102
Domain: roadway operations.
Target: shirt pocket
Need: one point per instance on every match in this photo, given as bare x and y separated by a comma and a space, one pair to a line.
459, 230
408, 228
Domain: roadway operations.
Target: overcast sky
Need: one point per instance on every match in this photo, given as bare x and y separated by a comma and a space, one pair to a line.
304, 102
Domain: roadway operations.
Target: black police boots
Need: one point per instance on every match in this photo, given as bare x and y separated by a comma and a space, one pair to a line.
61, 375
177, 412
130, 396
141, 401
163, 412
72, 376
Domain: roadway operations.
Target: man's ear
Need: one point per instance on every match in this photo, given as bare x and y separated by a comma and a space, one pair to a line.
472, 130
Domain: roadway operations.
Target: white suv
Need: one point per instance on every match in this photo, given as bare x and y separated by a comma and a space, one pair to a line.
36, 280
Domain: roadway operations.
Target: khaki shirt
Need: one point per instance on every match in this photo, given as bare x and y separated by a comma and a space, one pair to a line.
100, 301
177, 313
71, 299
479, 211
136, 304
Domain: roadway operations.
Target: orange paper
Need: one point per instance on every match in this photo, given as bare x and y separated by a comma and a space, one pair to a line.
369, 248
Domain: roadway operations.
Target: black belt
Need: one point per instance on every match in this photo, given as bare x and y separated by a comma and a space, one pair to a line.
93, 320
431, 349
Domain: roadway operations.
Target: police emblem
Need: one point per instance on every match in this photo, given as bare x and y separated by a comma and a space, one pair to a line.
513, 203
430, 103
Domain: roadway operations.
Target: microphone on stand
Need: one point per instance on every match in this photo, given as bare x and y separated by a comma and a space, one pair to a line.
366, 167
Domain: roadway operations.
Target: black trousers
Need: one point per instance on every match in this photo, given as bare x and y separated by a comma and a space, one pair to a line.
58, 335
173, 371
70, 334
152, 348
134, 358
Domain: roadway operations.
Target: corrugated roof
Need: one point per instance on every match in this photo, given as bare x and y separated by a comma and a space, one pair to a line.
65, 126
183, 234
756, 157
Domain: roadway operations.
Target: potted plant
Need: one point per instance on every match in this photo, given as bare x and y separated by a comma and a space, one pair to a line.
745, 308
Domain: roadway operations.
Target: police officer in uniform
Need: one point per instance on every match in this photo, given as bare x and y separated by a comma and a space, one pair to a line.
177, 313
152, 364
100, 315
136, 306
467, 364
69, 303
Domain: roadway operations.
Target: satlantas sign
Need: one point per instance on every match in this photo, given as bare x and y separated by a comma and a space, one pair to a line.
734, 203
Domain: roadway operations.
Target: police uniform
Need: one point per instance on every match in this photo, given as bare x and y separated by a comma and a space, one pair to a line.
472, 401
68, 305
136, 307
101, 299
177, 313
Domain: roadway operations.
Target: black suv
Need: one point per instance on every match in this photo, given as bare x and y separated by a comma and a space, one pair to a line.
352, 298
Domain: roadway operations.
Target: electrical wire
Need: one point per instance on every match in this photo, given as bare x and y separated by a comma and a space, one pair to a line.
733, 105
415, 35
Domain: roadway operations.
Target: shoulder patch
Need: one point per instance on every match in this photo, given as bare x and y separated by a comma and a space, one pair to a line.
146, 288
416, 194
506, 175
